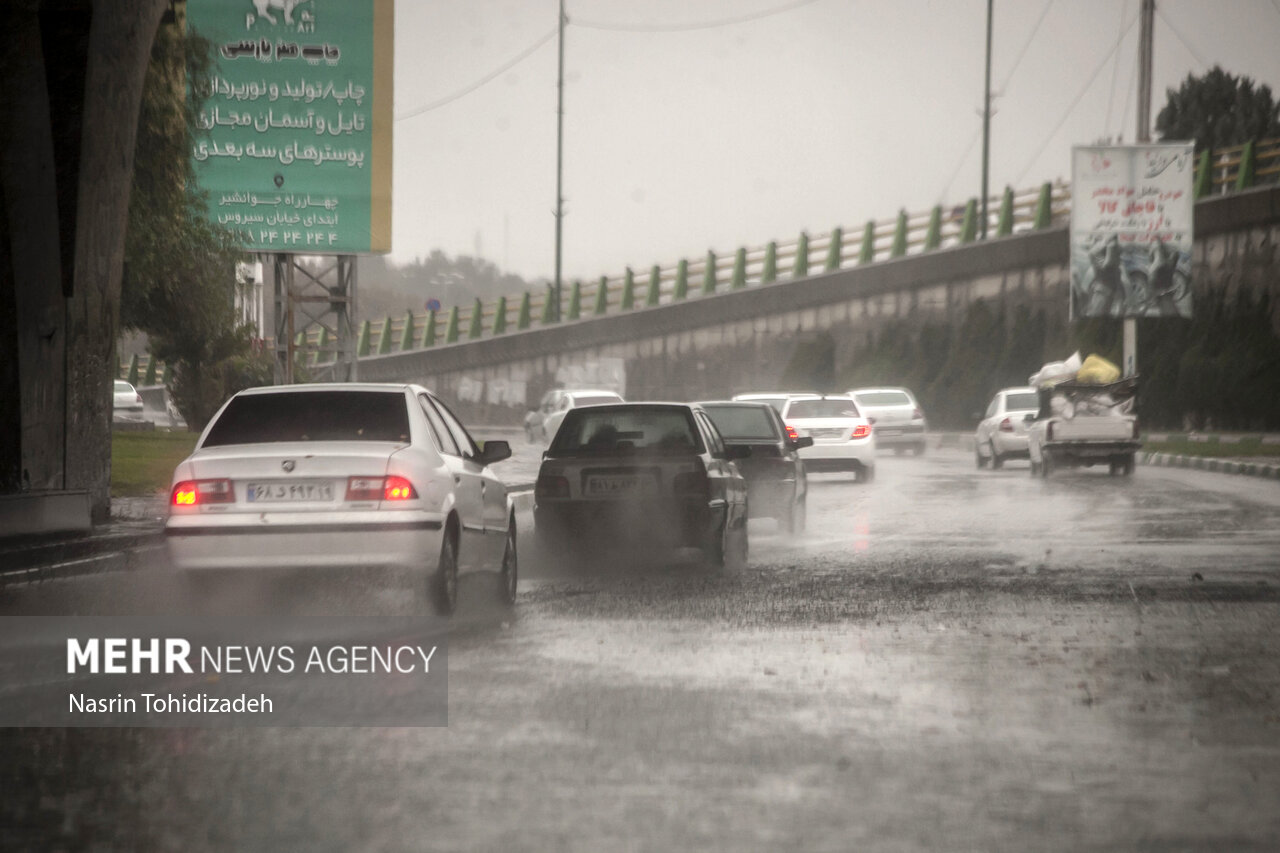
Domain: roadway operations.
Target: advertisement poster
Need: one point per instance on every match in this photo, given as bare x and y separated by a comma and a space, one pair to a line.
296, 153
1131, 230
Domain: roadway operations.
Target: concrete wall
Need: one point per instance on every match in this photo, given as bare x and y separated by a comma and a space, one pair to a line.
708, 348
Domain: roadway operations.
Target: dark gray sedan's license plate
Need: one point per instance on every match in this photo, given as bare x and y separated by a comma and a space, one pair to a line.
301, 491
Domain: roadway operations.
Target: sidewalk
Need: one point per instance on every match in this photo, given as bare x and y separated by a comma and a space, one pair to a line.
136, 530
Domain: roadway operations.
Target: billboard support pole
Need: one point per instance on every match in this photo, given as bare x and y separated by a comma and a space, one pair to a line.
325, 297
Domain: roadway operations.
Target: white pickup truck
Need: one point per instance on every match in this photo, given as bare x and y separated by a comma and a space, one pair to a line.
1080, 424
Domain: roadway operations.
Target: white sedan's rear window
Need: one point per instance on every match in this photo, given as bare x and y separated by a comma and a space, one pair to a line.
883, 398
595, 399
822, 409
312, 416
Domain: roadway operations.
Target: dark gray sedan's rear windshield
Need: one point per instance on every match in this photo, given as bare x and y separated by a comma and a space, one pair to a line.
312, 416
610, 429
743, 422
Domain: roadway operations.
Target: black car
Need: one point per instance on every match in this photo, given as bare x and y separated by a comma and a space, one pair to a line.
644, 475
776, 484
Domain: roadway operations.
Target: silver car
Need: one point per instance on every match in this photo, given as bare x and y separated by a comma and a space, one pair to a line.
541, 424
337, 475
897, 417
1002, 432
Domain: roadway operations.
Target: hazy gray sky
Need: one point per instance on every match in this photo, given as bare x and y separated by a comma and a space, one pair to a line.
828, 113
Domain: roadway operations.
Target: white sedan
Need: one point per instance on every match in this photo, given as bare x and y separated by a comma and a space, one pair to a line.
843, 440
126, 402
335, 475
1002, 432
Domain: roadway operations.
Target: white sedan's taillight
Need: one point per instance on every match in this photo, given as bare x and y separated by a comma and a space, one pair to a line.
391, 488
1006, 425
198, 492
860, 431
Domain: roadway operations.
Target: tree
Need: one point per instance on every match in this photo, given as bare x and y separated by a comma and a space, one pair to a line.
179, 265
1218, 110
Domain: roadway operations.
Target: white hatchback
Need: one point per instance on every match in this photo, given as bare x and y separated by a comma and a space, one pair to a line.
843, 440
337, 475
1002, 432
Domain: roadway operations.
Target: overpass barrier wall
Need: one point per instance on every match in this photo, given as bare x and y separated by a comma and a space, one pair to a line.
744, 339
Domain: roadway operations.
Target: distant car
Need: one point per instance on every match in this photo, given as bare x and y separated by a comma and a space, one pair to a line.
776, 483
126, 402
897, 417
1002, 432
654, 475
843, 440
351, 474
777, 399
541, 425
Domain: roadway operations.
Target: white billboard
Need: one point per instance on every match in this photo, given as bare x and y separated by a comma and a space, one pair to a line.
1132, 208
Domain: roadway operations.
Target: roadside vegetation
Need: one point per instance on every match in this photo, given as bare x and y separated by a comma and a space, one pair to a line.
142, 463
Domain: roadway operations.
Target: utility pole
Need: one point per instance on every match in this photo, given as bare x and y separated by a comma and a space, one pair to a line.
1146, 27
986, 124
555, 290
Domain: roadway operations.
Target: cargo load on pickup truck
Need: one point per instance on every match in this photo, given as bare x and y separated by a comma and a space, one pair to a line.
1083, 421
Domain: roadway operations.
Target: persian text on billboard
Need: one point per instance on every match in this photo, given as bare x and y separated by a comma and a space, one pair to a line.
1131, 230
293, 153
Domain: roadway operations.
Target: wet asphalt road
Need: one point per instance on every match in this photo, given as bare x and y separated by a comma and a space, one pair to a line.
950, 659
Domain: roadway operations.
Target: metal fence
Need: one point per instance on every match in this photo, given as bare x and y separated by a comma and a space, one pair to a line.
1011, 212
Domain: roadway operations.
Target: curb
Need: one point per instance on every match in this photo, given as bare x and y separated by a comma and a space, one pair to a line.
1204, 463
42, 559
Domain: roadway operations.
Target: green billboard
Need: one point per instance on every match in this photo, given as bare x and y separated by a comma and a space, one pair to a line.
296, 153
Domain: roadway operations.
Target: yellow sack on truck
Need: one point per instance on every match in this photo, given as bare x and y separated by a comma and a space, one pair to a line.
1096, 370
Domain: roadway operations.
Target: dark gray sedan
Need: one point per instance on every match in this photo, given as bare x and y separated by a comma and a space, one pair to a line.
776, 484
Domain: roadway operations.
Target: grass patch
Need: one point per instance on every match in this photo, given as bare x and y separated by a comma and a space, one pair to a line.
1214, 448
142, 463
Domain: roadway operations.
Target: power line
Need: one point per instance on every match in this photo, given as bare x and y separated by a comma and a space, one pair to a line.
448, 99
1003, 86
1076, 101
1115, 66
1190, 49
676, 28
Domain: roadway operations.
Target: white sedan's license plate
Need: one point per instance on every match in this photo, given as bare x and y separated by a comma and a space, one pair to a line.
620, 484
299, 490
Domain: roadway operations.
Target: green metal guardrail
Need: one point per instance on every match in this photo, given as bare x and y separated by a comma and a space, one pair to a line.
1013, 211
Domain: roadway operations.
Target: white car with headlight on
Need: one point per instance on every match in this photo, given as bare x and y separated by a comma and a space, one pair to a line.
338, 475
843, 440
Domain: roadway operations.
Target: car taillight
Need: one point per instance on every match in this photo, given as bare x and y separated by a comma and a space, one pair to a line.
551, 486
692, 483
380, 489
917, 415
398, 489
792, 432
860, 431
137, 398
1006, 425
199, 492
